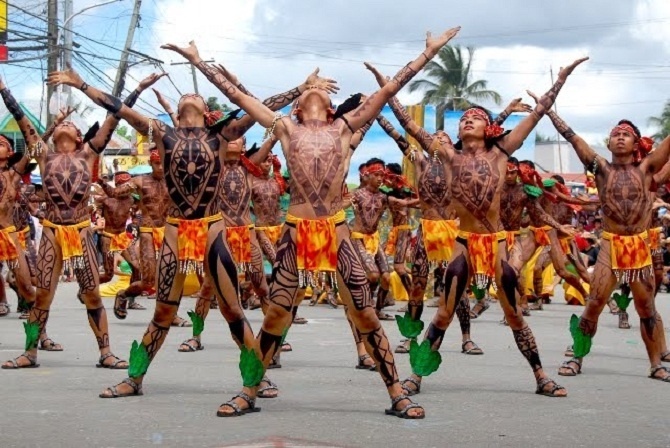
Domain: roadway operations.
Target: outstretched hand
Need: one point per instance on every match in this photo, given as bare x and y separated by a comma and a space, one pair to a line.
568, 230
63, 114
533, 96
67, 77
190, 53
316, 81
433, 44
161, 99
517, 106
231, 77
567, 71
381, 79
150, 80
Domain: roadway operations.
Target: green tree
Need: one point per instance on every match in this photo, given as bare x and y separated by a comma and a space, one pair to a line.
213, 104
450, 86
540, 138
123, 132
662, 123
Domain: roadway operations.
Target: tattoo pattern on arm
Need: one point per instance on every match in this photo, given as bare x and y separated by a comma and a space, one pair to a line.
12, 105
561, 126
500, 119
404, 76
423, 137
392, 132
544, 104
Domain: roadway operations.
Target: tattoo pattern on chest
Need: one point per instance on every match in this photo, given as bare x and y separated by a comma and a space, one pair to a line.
265, 196
369, 208
474, 183
433, 187
624, 198
512, 202
315, 161
235, 191
67, 180
192, 169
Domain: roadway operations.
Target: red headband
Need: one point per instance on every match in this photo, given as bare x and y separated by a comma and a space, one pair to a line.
529, 176
512, 167
474, 111
373, 169
625, 127
154, 156
492, 130
121, 178
9, 145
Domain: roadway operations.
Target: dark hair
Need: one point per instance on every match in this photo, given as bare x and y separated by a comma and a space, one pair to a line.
348, 105
374, 160
489, 142
361, 166
630, 123
394, 168
513, 160
527, 162
559, 178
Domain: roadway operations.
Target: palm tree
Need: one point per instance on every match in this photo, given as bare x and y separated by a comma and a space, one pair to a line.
662, 122
450, 86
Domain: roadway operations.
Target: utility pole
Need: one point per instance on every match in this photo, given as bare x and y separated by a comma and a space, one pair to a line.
558, 135
66, 60
52, 45
193, 73
120, 80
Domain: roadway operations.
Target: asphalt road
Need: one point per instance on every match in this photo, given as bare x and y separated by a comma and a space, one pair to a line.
471, 401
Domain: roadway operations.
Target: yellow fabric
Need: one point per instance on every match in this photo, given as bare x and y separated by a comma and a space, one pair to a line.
120, 241
655, 239
511, 237
157, 235
541, 235
572, 296
439, 237
392, 239
23, 237
272, 232
630, 255
8, 251
191, 285
547, 276
397, 289
566, 244
483, 252
371, 242
316, 242
67, 237
192, 241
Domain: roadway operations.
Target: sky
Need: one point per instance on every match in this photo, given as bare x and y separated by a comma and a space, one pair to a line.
272, 45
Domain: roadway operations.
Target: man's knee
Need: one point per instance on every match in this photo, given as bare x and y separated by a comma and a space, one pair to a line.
364, 319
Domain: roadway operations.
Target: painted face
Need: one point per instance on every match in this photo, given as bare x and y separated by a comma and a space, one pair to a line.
512, 174
157, 169
473, 124
266, 165
192, 100
622, 140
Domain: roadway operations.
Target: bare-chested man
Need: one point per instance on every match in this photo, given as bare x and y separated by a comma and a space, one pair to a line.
66, 237
195, 234
234, 195
624, 190
116, 210
515, 198
438, 227
315, 236
153, 204
479, 163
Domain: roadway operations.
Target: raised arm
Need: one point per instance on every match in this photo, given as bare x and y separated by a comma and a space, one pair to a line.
62, 115
108, 102
239, 126
513, 141
165, 104
423, 137
359, 135
585, 153
537, 213
134, 186
257, 110
514, 106
262, 154
374, 103
34, 144
101, 139
657, 159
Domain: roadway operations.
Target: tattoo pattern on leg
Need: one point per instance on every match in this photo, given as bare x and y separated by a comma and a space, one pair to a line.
380, 350
45, 262
525, 341
350, 267
285, 273
153, 338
